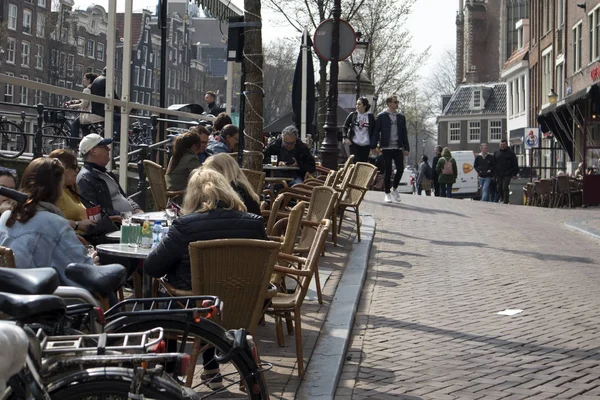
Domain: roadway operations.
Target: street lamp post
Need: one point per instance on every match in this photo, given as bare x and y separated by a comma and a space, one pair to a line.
358, 58
329, 146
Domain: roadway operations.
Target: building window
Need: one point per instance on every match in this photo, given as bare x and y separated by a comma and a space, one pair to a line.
134, 98
495, 134
70, 62
100, 51
577, 47
27, 21
79, 74
90, 48
149, 79
39, 56
594, 33
143, 77
560, 20
41, 24
136, 76
476, 99
10, 50
511, 95
547, 69
12, 17
474, 131
9, 90
454, 132
80, 46
37, 97
23, 92
42, 3
522, 94
25, 54
560, 76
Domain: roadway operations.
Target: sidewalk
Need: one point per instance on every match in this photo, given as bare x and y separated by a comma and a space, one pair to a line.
589, 226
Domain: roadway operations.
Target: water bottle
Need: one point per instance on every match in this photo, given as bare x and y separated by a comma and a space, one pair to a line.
146, 239
156, 233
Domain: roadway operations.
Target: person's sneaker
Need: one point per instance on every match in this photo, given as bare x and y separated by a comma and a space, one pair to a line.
212, 378
388, 198
396, 196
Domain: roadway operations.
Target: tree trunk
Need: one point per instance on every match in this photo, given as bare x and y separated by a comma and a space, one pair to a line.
253, 63
322, 106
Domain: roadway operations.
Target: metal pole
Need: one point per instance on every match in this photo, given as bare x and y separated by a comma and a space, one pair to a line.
38, 142
358, 86
229, 93
142, 184
163, 68
125, 91
329, 146
304, 93
111, 40
242, 138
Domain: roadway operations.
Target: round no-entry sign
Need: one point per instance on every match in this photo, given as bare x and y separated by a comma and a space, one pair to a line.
322, 39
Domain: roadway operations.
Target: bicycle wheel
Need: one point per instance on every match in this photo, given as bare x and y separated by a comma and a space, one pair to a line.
59, 140
239, 377
111, 384
12, 140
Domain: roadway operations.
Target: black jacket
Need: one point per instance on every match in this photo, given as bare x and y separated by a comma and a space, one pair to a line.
483, 165
215, 109
172, 258
383, 130
94, 191
252, 206
350, 124
98, 88
505, 163
301, 152
434, 174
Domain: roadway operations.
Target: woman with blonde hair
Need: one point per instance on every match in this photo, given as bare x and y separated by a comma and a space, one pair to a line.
184, 160
228, 167
212, 210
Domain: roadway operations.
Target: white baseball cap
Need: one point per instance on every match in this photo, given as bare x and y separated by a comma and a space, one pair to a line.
92, 140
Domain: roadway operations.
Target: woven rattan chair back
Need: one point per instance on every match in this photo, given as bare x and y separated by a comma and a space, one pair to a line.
256, 179
359, 183
158, 185
238, 271
321, 204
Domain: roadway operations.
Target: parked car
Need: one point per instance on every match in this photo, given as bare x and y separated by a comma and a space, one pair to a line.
408, 181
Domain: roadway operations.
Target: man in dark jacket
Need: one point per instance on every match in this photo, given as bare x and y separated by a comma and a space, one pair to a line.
391, 136
291, 152
211, 102
97, 185
434, 174
505, 167
484, 165
98, 88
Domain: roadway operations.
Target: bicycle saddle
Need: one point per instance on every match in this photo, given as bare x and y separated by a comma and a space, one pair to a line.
28, 281
22, 307
98, 279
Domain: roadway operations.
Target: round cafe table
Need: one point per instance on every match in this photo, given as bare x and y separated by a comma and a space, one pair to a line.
114, 236
140, 253
153, 216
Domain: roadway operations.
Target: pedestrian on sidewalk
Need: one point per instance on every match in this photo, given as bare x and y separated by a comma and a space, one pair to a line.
484, 165
358, 130
391, 136
506, 167
447, 173
434, 177
424, 177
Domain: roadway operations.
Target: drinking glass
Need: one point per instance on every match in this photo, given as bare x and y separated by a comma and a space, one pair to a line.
135, 235
90, 250
171, 215
274, 161
126, 217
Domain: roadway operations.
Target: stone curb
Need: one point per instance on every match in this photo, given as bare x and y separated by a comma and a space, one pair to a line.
327, 360
581, 226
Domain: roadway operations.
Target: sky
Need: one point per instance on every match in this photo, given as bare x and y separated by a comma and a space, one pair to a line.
436, 29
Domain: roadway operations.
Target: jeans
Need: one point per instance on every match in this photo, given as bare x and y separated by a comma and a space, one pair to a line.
446, 190
75, 127
436, 188
503, 187
485, 184
397, 156
361, 153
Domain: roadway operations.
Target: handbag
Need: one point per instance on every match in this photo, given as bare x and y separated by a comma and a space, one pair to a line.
426, 184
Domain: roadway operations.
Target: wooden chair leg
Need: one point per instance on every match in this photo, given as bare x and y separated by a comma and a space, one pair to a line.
334, 231
137, 285
289, 323
357, 223
341, 219
120, 294
279, 331
299, 354
318, 284
193, 360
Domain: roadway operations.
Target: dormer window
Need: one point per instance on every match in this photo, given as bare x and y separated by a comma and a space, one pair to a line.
477, 101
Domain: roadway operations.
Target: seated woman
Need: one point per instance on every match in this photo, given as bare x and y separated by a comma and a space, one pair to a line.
213, 210
37, 231
228, 167
184, 160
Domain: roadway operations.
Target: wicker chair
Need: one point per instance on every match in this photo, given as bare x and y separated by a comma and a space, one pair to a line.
256, 179
7, 258
565, 194
357, 188
158, 185
543, 189
288, 306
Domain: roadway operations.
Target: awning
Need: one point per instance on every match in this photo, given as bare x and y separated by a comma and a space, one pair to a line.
222, 10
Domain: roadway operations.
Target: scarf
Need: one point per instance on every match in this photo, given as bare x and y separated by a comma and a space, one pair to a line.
47, 206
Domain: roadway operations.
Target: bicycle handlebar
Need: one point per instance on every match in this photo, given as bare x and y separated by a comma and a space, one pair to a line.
13, 194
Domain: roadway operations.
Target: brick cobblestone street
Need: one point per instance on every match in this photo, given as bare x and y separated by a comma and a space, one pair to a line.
440, 270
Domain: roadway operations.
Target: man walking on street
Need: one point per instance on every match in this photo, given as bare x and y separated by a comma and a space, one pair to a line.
434, 174
484, 165
505, 166
391, 136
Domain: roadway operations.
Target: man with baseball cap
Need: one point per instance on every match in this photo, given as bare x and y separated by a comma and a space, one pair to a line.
97, 186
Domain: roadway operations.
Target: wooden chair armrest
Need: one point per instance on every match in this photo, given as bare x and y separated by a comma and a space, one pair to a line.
353, 186
322, 169
292, 271
170, 194
172, 290
275, 238
280, 226
310, 223
290, 258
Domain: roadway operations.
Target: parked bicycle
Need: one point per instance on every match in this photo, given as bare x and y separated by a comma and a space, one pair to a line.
13, 140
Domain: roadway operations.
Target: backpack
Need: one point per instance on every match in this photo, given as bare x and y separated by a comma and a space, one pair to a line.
447, 169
